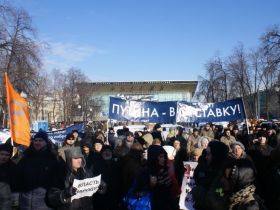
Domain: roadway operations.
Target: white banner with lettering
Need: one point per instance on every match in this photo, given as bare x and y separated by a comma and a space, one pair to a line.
86, 187
186, 200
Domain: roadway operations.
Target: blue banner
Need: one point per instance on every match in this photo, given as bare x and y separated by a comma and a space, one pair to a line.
139, 111
60, 135
211, 112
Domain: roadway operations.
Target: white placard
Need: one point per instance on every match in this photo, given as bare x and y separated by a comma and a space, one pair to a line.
86, 187
186, 201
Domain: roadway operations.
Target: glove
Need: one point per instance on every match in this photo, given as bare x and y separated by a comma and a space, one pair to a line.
69, 192
102, 187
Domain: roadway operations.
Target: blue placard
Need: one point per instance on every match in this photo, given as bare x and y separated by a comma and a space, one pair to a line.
139, 111
60, 135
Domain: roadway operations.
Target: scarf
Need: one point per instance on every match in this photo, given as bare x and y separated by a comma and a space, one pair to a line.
243, 196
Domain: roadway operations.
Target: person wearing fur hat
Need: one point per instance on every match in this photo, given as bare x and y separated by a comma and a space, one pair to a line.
7, 175
260, 152
35, 171
69, 142
61, 191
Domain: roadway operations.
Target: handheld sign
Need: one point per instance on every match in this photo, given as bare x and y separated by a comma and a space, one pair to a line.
86, 187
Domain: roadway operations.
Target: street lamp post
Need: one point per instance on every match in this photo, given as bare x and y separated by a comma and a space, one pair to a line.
277, 90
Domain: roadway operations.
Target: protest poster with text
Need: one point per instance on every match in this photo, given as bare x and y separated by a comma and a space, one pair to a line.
86, 187
211, 112
142, 111
186, 201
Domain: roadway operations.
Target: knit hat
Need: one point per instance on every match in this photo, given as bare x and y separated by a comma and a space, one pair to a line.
237, 143
43, 135
6, 147
157, 126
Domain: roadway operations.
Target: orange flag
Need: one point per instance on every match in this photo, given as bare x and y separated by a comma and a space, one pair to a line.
19, 115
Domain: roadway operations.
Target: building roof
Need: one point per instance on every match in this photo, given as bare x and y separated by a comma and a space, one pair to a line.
138, 87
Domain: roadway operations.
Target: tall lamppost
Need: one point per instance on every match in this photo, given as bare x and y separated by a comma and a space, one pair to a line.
277, 90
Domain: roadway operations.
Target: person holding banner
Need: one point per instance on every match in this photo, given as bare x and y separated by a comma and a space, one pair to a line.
59, 195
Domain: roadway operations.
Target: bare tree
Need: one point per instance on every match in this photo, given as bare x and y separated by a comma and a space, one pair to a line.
256, 64
70, 95
38, 96
271, 44
271, 59
56, 85
19, 50
214, 86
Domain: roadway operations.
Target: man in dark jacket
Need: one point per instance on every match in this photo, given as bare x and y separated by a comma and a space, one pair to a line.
35, 171
7, 172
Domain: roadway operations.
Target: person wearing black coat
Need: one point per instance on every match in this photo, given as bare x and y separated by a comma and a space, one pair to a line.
240, 178
59, 195
7, 173
35, 171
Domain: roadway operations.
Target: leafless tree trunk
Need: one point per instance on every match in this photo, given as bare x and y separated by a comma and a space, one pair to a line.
19, 50
214, 87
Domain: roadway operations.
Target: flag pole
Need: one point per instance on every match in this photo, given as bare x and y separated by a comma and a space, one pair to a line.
245, 115
107, 136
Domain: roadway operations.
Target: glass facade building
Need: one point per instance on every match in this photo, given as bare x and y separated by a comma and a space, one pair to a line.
144, 91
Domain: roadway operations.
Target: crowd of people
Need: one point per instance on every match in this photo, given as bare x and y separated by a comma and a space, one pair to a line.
236, 169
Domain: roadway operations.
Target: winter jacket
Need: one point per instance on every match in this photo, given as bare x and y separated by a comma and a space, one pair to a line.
35, 171
56, 196
7, 173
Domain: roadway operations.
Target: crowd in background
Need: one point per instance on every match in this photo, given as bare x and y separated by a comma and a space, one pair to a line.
236, 169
